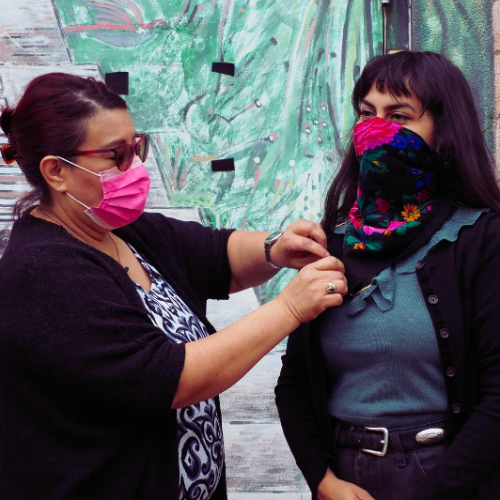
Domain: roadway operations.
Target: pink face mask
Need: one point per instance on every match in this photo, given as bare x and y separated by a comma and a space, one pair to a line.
124, 195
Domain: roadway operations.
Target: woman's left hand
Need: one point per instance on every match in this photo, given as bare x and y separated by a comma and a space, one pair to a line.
302, 242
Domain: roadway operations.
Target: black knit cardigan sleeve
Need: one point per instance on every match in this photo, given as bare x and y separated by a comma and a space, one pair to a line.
71, 316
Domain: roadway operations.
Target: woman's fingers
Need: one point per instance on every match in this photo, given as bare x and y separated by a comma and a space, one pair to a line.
338, 285
327, 272
311, 246
301, 243
333, 488
318, 234
315, 288
308, 229
328, 264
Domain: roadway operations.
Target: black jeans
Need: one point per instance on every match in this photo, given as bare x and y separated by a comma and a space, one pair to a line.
394, 476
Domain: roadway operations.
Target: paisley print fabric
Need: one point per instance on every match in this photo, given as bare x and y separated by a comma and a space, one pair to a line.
396, 190
201, 449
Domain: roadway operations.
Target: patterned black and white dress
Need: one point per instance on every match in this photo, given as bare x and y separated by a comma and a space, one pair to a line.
199, 430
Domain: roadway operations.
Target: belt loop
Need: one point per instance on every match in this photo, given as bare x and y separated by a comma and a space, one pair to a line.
398, 449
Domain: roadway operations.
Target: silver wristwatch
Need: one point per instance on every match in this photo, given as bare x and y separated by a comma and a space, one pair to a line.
268, 243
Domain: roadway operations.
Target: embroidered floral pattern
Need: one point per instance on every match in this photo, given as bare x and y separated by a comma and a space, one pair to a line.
372, 133
382, 205
422, 196
396, 186
410, 212
399, 142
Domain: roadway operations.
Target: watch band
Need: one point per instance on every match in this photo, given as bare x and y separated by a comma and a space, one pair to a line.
268, 243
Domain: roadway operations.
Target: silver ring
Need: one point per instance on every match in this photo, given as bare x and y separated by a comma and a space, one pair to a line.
331, 287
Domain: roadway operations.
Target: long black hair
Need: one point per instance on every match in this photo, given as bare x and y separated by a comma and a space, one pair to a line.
468, 175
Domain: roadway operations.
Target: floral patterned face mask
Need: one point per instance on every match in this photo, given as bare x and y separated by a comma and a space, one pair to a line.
396, 189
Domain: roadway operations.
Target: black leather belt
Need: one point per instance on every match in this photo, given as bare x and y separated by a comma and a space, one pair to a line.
377, 441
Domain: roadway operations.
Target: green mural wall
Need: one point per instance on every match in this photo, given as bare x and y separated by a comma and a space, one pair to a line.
283, 117
463, 31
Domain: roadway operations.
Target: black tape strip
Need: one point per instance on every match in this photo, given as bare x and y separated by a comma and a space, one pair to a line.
225, 165
117, 82
223, 67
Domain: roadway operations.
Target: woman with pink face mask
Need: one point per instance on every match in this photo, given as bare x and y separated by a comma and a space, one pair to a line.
395, 395
109, 368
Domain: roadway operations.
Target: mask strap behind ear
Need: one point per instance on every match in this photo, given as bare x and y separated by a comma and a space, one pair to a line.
78, 166
78, 201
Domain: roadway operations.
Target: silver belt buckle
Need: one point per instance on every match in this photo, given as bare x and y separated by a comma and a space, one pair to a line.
430, 436
384, 442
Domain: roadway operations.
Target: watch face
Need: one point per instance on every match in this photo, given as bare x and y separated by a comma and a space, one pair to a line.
272, 238
268, 243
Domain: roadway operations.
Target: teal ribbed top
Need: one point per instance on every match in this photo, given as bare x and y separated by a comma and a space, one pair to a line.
381, 349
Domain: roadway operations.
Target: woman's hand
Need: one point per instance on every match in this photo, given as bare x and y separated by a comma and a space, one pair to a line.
306, 296
215, 363
302, 242
333, 488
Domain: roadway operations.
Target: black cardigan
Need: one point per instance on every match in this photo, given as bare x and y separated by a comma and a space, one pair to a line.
461, 284
86, 380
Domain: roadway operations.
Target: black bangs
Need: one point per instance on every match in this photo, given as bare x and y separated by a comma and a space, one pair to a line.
403, 74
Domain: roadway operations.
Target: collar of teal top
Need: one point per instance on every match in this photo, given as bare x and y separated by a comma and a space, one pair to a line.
383, 286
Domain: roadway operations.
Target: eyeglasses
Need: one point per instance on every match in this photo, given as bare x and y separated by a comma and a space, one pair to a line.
124, 153
8, 152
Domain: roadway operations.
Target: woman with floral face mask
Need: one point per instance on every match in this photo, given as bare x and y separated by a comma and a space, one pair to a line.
109, 372
395, 395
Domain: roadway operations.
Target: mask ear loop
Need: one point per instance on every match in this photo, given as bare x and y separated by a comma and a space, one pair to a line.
78, 201
78, 166
81, 168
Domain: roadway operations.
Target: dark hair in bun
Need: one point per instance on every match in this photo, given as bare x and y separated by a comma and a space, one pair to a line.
49, 119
